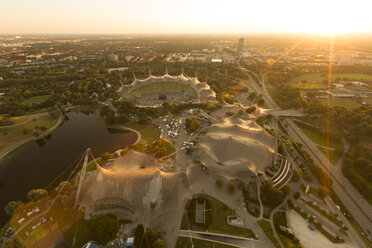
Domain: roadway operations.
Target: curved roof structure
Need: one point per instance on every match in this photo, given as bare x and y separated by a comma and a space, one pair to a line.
134, 183
236, 147
203, 90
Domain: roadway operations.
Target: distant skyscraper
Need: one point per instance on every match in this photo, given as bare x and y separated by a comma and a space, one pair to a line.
241, 45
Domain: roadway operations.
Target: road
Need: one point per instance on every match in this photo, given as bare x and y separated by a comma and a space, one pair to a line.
220, 238
360, 209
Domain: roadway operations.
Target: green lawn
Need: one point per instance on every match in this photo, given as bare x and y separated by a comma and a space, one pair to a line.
310, 86
310, 78
148, 132
367, 100
319, 139
315, 80
218, 219
319, 77
332, 155
319, 122
159, 86
36, 99
83, 233
352, 76
346, 103
266, 227
183, 242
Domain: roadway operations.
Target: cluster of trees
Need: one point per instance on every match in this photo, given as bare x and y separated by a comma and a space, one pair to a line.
105, 156
5, 121
149, 239
272, 196
104, 227
14, 242
65, 198
192, 124
323, 176
257, 98
288, 96
250, 110
11, 207
36, 194
83, 88
358, 168
161, 147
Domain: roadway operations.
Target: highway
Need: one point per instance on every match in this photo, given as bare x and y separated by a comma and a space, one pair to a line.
360, 209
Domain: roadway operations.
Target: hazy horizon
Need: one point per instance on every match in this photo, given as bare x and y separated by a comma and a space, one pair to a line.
179, 17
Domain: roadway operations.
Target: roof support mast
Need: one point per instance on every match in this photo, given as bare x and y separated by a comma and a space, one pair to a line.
82, 175
276, 140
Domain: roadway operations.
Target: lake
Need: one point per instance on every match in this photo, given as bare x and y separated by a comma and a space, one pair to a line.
36, 164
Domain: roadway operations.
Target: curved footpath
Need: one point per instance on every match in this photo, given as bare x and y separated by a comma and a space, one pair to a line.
139, 136
9, 149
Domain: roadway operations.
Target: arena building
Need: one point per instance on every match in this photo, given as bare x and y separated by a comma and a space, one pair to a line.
154, 90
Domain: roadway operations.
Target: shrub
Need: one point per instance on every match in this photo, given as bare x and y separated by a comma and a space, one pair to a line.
232, 187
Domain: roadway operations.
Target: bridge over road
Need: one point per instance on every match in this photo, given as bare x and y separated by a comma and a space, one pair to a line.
283, 112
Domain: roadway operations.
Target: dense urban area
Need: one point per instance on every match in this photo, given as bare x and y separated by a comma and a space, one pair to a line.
185, 141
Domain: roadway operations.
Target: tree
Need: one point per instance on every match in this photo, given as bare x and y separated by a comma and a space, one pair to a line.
105, 156
105, 227
36, 194
11, 207
296, 195
272, 195
12, 243
219, 182
241, 184
286, 189
159, 243
232, 187
324, 192
192, 124
65, 185
250, 110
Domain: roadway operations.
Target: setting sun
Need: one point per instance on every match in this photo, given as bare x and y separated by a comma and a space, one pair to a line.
166, 16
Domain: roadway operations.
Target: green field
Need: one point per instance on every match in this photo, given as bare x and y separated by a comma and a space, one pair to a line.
319, 139
36, 99
160, 86
217, 219
352, 76
346, 103
310, 78
11, 135
315, 80
148, 132
331, 155
367, 100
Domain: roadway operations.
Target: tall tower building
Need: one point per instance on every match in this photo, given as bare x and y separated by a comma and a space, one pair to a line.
241, 45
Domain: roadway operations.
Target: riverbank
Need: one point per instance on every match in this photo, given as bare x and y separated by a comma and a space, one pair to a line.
43, 134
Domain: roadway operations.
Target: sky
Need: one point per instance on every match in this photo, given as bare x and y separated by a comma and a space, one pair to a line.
186, 16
